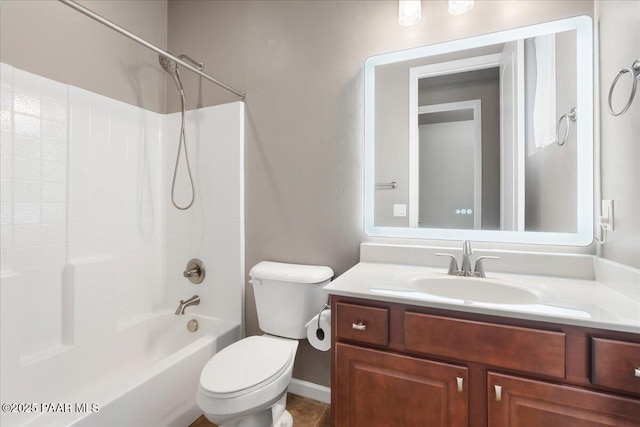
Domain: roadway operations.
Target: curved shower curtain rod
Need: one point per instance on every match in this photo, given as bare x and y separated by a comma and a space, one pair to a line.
106, 22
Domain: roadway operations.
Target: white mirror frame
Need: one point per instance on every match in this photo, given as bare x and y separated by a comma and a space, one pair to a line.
583, 26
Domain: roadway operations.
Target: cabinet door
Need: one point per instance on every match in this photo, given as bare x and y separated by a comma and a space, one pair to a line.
376, 388
519, 402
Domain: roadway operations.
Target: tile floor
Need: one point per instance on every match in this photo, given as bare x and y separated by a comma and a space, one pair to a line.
305, 412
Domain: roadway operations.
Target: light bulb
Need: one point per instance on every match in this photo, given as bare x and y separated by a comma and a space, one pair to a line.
458, 7
409, 12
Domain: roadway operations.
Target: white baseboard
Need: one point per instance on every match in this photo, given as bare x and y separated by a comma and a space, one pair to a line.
310, 390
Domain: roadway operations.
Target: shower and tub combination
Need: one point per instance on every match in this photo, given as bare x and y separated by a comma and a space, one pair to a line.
91, 330
142, 374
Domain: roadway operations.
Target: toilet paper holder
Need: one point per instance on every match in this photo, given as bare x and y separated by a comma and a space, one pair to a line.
320, 332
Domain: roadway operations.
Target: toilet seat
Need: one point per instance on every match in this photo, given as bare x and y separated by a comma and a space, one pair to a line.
246, 365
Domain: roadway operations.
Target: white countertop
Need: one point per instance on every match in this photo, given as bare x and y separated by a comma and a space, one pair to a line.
568, 301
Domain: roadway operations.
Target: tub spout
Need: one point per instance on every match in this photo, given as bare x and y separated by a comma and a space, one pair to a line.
194, 300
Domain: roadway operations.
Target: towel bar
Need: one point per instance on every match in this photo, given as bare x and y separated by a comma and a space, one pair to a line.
391, 185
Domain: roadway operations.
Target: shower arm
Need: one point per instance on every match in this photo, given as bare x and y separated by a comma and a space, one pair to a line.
106, 22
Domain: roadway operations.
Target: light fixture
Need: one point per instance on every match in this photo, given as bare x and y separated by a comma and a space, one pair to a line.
458, 7
409, 12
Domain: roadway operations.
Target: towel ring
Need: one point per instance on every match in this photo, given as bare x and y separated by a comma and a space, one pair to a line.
569, 118
634, 70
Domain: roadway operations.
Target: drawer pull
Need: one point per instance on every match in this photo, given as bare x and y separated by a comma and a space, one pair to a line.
359, 326
637, 372
459, 381
498, 389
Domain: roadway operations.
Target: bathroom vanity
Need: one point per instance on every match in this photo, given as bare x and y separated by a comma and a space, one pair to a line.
414, 346
403, 356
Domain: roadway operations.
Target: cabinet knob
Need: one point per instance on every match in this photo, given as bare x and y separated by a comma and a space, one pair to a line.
459, 381
637, 372
498, 389
359, 326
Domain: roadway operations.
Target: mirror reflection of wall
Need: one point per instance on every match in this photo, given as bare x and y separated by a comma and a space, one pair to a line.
550, 170
507, 180
392, 152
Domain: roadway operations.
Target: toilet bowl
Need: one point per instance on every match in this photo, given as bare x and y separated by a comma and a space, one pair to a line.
247, 378
245, 384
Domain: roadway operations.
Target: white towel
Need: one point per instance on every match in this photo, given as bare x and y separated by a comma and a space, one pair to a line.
544, 107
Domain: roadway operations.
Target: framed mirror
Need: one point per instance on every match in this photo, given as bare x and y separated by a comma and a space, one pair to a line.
488, 138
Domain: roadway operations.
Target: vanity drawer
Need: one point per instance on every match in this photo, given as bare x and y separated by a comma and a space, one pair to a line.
616, 364
363, 324
523, 349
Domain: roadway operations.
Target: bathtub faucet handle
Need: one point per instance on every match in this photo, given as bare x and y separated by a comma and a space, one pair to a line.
195, 271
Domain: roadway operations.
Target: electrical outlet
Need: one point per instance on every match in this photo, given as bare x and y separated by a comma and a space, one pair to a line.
606, 220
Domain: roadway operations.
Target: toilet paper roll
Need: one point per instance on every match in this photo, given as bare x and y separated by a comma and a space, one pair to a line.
320, 338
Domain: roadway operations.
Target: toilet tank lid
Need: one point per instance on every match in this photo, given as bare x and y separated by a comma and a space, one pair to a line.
268, 270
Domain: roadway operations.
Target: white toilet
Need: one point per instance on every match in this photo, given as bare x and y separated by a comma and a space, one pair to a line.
245, 384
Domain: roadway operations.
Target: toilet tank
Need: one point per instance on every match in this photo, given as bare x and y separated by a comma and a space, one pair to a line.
288, 295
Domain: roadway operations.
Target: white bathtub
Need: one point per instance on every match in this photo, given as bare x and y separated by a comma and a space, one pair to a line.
145, 374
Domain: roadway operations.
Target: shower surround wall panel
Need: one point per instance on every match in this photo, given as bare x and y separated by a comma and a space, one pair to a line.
213, 228
34, 182
114, 191
90, 239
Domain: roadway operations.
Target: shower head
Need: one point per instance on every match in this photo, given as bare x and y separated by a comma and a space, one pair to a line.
171, 67
167, 64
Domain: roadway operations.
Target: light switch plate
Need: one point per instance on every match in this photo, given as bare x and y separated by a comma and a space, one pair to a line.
400, 210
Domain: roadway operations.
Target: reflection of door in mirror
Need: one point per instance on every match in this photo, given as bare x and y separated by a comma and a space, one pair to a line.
456, 169
450, 182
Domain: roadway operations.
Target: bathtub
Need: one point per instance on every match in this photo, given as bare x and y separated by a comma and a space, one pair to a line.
145, 374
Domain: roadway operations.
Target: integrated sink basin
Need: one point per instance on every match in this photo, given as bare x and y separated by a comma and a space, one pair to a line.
535, 297
473, 289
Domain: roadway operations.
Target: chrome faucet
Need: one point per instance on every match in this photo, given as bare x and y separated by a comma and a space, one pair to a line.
194, 300
466, 264
465, 270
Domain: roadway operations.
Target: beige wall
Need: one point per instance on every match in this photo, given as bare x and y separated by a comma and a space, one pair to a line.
54, 41
300, 63
620, 136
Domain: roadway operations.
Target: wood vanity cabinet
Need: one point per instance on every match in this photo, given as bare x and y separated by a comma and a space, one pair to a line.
522, 402
429, 390
401, 365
